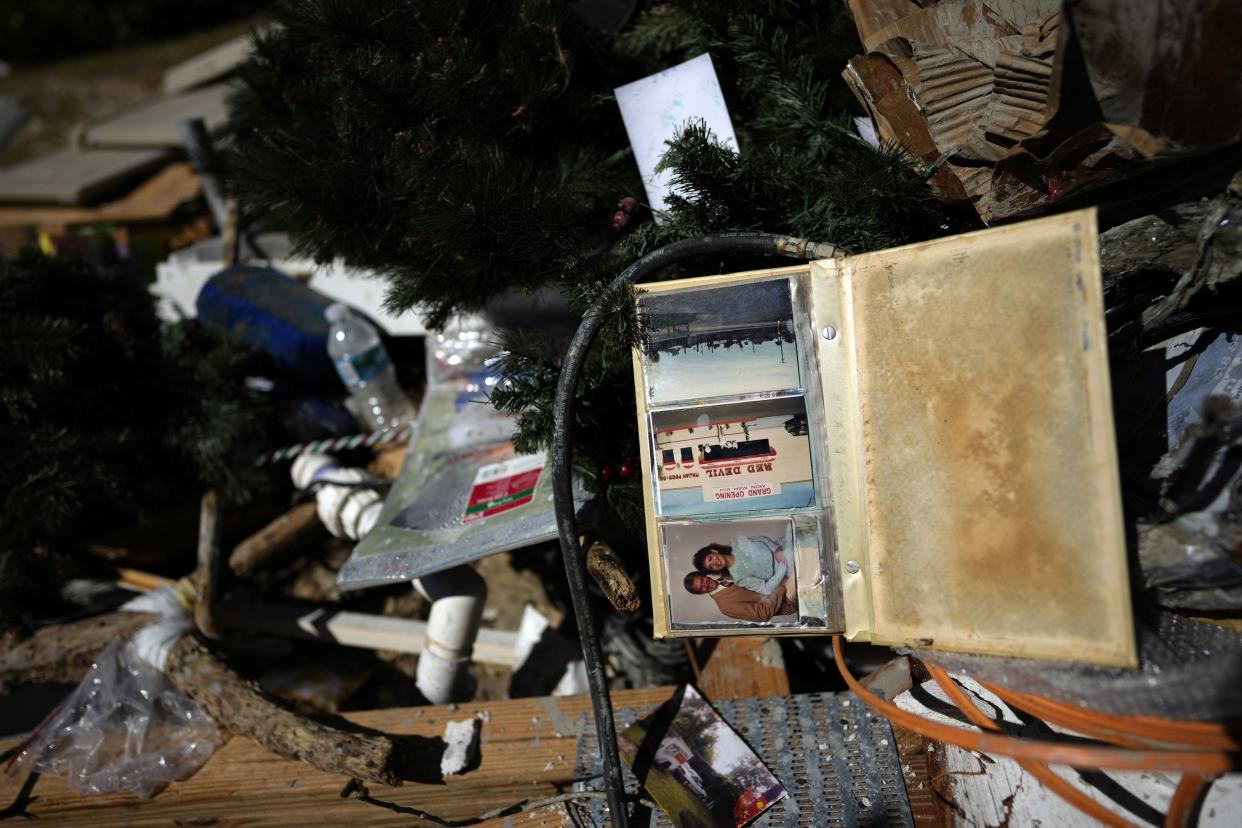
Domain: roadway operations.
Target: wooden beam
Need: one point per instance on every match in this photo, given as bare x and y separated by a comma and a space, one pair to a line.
210, 65
153, 124
927, 808
354, 629
154, 200
528, 753
64, 652
298, 526
741, 667
75, 176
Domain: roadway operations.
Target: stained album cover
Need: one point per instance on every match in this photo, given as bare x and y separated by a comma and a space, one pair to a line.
696, 766
721, 341
732, 457
731, 572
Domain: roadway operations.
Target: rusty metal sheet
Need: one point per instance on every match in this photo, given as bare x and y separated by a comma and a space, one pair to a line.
990, 491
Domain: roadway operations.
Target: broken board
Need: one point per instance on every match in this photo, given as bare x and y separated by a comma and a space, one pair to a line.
13, 116
155, 199
210, 65
156, 124
76, 176
994, 791
528, 750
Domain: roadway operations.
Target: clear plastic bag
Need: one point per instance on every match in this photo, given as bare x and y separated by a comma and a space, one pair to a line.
125, 728
460, 458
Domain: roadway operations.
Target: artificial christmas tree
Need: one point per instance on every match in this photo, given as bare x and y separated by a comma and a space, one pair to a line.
107, 416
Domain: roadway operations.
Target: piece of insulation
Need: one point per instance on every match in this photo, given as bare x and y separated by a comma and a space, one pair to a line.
461, 750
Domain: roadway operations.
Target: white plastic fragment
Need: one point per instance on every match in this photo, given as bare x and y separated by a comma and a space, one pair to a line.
155, 641
461, 739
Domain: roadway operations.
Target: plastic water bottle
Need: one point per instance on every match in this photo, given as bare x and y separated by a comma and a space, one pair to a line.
375, 399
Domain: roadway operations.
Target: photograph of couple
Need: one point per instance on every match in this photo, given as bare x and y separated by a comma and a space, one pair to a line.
729, 572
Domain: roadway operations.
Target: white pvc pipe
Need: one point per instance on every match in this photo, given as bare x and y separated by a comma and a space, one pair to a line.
457, 595
349, 511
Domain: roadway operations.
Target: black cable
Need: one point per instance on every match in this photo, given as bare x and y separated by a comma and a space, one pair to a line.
562, 472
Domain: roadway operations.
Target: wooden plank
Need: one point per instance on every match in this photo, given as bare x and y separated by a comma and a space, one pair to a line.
528, 751
154, 200
155, 124
994, 791
75, 176
157, 197
553, 816
928, 809
741, 668
210, 65
356, 629
13, 116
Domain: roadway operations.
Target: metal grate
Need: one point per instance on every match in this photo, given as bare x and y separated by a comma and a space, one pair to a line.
837, 759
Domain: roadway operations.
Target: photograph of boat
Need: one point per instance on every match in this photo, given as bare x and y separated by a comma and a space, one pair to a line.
717, 456
720, 341
732, 457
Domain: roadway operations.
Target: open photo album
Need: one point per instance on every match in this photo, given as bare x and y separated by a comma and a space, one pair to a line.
913, 446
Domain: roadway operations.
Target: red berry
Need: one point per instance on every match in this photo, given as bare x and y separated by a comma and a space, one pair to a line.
627, 204
606, 473
626, 471
620, 219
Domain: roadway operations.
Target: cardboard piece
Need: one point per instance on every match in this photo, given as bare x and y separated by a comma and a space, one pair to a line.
971, 87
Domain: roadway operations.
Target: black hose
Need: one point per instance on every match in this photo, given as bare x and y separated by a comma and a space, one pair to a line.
562, 472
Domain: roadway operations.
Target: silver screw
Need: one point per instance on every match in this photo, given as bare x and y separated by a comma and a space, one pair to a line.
852, 567
829, 332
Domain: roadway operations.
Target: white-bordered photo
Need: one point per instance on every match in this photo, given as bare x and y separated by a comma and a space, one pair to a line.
731, 572
732, 457
696, 766
720, 341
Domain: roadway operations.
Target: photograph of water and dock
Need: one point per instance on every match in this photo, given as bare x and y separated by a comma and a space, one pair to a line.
720, 342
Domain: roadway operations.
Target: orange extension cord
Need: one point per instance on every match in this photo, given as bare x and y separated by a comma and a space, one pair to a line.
1137, 730
1211, 750
1039, 770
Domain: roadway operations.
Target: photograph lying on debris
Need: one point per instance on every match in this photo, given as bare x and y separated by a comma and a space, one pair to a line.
697, 768
717, 342
730, 458
731, 573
